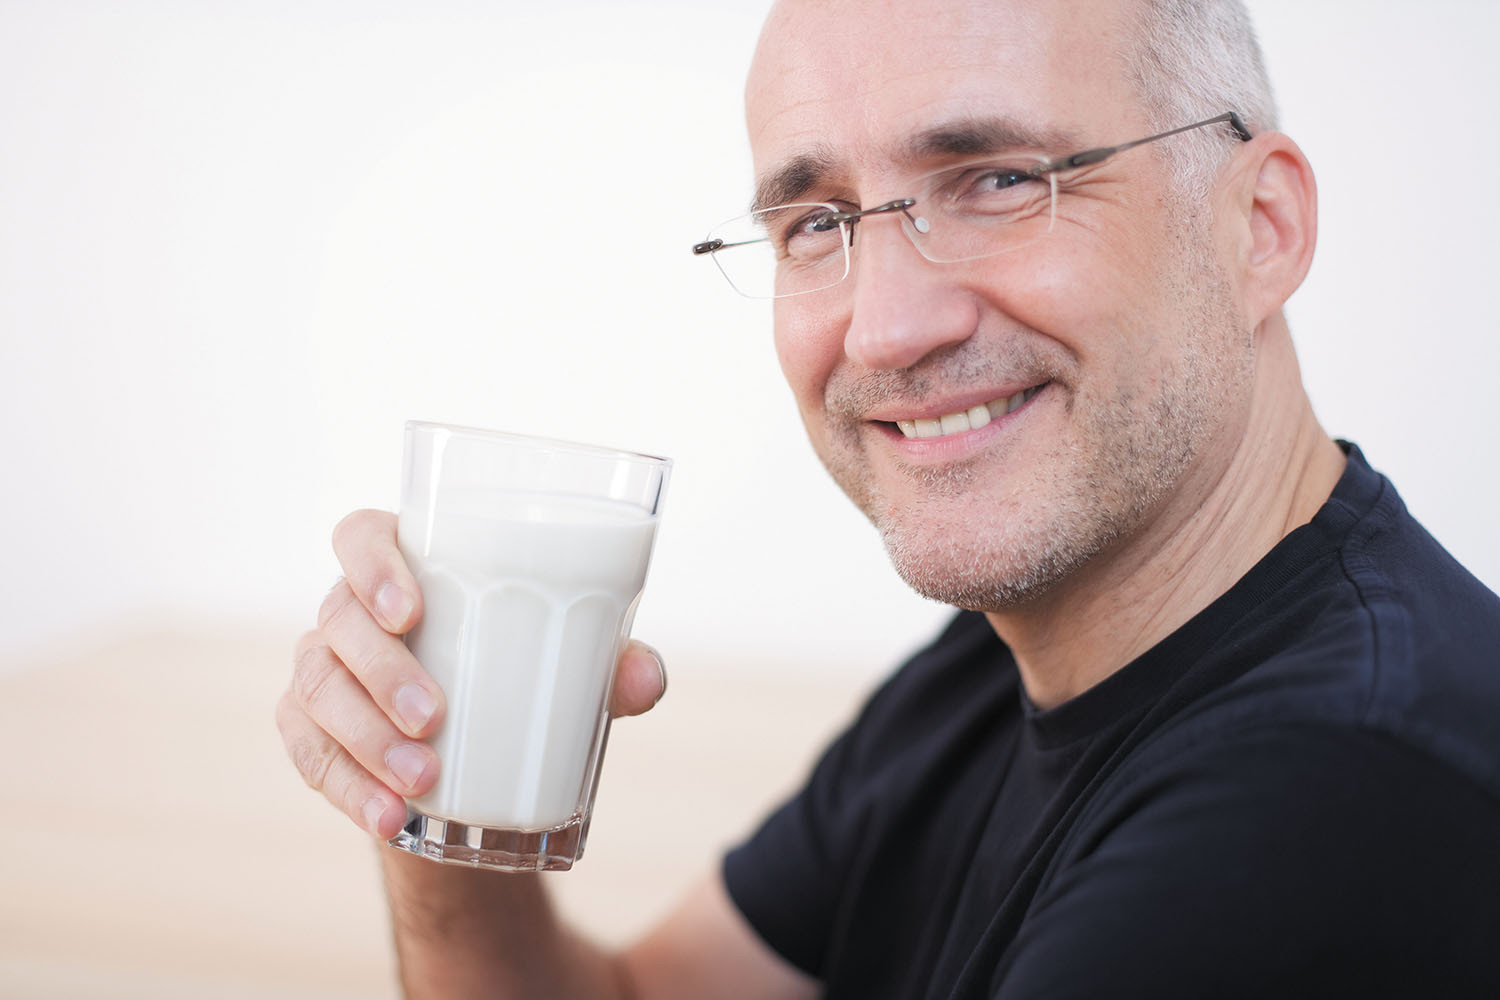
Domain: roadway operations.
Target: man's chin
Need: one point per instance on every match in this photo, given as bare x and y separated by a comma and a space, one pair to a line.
974, 574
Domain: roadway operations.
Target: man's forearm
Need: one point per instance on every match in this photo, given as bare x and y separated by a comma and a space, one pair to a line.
466, 933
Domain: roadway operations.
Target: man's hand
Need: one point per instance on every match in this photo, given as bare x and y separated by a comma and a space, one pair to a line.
355, 720
359, 707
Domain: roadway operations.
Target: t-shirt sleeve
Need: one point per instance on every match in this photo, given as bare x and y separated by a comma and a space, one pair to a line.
1299, 862
786, 878
791, 878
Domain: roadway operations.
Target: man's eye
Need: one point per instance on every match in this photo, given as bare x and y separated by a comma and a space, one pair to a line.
813, 224
999, 178
992, 181
992, 189
807, 232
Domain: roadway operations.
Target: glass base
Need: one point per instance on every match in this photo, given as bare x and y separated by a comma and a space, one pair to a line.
454, 843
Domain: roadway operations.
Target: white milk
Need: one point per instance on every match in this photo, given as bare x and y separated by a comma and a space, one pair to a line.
528, 601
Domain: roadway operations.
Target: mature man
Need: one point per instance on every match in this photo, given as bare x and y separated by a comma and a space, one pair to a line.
1220, 720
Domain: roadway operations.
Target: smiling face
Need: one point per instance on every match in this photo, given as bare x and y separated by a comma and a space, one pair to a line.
1002, 421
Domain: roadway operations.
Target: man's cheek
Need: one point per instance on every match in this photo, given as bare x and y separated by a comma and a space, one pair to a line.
807, 376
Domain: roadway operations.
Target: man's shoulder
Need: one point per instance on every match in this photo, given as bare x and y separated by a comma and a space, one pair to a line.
1377, 629
1403, 577
1426, 650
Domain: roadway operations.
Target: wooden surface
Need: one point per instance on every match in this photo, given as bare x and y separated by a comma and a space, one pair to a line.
158, 844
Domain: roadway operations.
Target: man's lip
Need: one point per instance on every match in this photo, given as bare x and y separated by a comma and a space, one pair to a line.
935, 410
946, 422
939, 440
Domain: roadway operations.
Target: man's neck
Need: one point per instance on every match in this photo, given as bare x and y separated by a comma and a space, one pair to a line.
1130, 598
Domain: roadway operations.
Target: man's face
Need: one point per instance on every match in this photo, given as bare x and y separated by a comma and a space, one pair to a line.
1119, 328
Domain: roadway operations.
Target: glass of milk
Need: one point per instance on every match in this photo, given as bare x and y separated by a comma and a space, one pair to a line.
531, 555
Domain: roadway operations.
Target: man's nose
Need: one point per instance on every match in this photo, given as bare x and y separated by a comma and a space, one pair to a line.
903, 306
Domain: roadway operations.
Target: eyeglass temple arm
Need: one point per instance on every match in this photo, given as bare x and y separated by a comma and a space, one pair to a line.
1091, 156
715, 245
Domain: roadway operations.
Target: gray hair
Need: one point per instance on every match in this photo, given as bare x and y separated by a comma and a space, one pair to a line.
1193, 59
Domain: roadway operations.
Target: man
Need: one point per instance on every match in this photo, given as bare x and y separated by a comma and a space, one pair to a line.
1221, 718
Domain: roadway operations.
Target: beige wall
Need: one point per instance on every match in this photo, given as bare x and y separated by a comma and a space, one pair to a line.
240, 244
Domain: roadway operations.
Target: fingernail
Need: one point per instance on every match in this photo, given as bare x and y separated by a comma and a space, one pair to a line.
415, 706
394, 606
407, 763
374, 809
661, 670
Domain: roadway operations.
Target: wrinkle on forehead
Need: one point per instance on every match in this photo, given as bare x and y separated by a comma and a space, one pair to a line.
866, 64
872, 43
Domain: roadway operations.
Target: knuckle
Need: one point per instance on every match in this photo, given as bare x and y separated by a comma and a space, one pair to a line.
337, 603
369, 728
351, 797
314, 760
333, 601
312, 673
375, 664
305, 643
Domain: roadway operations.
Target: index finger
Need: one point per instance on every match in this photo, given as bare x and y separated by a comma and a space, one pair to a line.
365, 544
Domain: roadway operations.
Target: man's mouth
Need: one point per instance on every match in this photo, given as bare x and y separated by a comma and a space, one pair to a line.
970, 419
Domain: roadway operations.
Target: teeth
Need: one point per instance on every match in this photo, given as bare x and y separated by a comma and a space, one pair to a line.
1011, 404
971, 419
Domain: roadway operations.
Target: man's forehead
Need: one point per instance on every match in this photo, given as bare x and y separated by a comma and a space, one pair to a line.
894, 81
881, 39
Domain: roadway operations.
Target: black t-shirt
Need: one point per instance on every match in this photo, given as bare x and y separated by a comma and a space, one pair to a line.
1296, 793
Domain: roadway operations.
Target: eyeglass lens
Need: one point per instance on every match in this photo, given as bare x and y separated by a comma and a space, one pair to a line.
967, 212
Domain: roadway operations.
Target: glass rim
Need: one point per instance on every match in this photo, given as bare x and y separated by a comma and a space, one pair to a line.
540, 443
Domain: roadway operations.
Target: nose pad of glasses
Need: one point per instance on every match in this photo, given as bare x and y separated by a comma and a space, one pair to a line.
917, 227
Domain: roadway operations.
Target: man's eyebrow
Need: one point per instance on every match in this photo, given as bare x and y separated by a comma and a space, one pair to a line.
978, 136
973, 136
792, 179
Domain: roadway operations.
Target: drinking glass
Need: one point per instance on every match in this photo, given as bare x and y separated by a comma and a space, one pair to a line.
531, 555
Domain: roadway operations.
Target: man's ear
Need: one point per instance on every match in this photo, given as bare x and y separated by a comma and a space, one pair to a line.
1276, 203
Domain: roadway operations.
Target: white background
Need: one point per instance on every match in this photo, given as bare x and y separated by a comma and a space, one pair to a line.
241, 243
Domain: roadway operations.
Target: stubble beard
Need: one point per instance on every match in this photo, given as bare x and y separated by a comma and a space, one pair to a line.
956, 542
